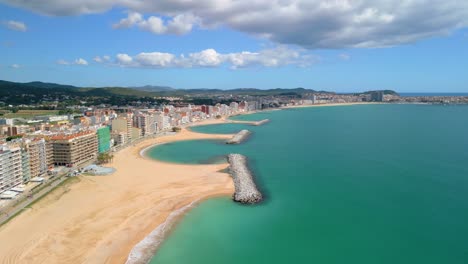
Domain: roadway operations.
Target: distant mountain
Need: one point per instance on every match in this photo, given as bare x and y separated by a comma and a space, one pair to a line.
151, 88
34, 92
389, 92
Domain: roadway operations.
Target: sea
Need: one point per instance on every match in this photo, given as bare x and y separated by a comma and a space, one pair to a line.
432, 94
361, 184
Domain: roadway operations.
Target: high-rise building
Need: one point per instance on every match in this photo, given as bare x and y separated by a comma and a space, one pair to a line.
119, 138
74, 149
37, 151
123, 124
146, 122
11, 168
49, 154
25, 165
104, 139
377, 96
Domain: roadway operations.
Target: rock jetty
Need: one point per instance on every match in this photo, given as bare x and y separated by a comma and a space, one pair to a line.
246, 191
239, 137
261, 122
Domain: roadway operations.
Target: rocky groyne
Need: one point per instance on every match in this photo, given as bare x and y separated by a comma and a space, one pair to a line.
261, 122
239, 137
246, 191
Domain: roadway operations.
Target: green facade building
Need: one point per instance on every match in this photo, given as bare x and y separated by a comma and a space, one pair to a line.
104, 138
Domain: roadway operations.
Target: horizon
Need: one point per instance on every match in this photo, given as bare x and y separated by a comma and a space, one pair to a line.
334, 45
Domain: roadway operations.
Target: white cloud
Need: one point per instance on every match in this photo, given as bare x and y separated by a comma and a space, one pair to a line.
124, 59
131, 19
15, 25
102, 59
178, 25
275, 57
308, 23
344, 56
62, 62
205, 58
80, 61
15, 66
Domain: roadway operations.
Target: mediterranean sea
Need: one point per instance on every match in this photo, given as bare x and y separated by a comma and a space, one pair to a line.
360, 184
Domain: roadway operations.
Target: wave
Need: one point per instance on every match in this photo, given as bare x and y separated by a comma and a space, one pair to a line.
146, 248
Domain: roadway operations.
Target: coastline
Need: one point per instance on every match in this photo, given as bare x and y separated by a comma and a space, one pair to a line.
102, 219
118, 212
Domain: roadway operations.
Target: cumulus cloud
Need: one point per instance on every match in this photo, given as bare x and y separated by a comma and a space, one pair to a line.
178, 25
102, 59
308, 23
62, 62
344, 56
15, 25
80, 61
275, 57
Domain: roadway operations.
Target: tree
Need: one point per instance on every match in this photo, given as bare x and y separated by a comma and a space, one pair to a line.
104, 158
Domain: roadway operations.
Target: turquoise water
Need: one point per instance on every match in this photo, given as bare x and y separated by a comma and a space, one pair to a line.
354, 184
229, 128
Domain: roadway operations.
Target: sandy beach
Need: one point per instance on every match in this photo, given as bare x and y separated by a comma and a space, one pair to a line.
100, 219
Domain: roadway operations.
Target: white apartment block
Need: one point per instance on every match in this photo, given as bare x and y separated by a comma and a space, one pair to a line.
11, 167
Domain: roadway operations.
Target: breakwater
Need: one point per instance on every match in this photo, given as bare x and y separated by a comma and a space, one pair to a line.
239, 137
261, 122
246, 191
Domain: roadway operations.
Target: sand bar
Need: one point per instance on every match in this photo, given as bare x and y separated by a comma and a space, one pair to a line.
100, 219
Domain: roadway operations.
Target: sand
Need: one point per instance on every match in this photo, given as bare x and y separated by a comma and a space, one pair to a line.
100, 219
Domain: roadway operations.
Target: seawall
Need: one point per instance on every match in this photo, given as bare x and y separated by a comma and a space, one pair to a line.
261, 122
239, 137
245, 189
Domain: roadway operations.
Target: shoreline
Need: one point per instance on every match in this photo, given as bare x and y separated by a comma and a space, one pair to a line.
119, 211
116, 212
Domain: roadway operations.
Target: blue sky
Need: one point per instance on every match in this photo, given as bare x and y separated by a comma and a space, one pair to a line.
233, 50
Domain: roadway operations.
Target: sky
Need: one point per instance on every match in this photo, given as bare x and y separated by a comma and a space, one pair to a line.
334, 45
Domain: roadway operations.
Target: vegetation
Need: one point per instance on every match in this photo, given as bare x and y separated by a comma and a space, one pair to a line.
10, 138
104, 158
25, 113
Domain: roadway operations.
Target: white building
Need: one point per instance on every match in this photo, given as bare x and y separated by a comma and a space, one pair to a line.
7, 121
11, 168
146, 122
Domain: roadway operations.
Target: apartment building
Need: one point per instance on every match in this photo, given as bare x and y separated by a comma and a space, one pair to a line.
145, 122
104, 139
11, 168
123, 124
37, 151
74, 149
